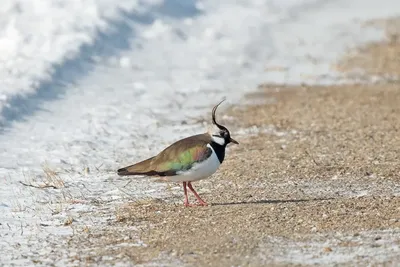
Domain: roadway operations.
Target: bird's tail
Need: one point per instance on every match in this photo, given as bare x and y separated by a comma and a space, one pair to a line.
140, 168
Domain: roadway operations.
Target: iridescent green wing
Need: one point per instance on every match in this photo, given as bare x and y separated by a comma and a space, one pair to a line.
185, 160
182, 155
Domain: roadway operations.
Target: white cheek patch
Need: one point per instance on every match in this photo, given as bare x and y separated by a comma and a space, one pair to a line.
218, 139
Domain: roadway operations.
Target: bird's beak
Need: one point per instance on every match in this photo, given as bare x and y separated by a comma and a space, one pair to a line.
234, 141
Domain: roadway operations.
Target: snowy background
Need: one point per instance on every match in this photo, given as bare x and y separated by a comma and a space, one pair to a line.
88, 86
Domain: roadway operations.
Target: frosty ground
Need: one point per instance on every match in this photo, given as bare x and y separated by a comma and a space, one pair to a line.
119, 80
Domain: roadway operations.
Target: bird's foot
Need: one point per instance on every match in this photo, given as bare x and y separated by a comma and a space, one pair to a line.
203, 204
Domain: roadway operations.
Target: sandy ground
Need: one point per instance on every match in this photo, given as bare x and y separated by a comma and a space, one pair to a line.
379, 60
315, 180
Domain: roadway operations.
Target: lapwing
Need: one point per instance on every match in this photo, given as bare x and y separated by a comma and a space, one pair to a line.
188, 160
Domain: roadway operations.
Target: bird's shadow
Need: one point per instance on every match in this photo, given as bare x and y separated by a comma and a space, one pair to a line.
270, 201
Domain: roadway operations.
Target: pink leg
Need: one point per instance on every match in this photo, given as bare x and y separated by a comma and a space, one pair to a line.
186, 203
201, 202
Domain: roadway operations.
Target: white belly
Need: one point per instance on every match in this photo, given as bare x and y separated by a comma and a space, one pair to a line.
199, 171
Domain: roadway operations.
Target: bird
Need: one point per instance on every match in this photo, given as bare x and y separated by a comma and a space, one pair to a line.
188, 160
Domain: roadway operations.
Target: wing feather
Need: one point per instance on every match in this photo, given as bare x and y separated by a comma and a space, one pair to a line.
185, 160
179, 156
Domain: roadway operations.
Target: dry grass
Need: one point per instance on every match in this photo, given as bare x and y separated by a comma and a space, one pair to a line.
50, 179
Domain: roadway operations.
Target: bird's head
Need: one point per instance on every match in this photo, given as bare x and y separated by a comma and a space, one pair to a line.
222, 136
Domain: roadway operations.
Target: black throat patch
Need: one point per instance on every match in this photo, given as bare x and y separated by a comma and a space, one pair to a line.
219, 150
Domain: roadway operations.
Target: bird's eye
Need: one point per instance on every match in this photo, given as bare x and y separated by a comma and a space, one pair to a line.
224, 134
